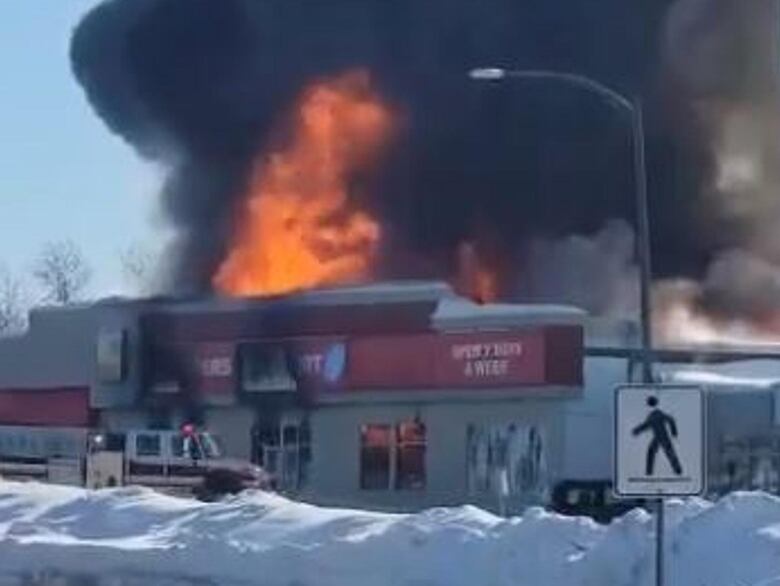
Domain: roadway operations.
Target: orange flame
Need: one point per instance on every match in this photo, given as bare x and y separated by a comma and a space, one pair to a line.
476, 279
299, 228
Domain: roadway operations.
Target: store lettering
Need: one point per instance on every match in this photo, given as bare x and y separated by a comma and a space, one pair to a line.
311, 364
482, 360
486, 351
484, 368
220, 367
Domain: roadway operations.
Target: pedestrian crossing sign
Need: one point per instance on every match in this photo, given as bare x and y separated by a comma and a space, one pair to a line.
659, 445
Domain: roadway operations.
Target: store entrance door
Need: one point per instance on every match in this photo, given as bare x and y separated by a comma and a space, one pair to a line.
282, 447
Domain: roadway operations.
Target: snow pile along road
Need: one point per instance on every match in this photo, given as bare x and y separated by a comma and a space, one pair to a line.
135, 536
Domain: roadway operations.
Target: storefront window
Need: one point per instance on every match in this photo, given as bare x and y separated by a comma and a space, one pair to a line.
265, 367
167, 372
393, 456
747, 463
375, 448
410, 458
506, 459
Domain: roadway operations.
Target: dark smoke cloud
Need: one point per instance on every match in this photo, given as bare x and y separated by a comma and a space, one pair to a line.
199, 84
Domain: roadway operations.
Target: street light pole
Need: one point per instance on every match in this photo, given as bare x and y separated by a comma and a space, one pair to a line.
633, 107
643, 238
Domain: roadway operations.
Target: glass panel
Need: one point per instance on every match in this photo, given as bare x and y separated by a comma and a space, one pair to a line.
513, 452
410, 460
211, 445
193, 448
290, 479
375, 457
290, 435
147, 445
264, 367
271, 459
177, 446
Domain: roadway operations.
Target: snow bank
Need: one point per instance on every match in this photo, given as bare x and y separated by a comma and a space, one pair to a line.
132, 536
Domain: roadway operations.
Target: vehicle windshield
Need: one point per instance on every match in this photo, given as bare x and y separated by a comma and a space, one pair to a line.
211, 444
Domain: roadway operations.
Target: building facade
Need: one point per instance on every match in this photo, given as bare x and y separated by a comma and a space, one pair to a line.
389, 396
396, 397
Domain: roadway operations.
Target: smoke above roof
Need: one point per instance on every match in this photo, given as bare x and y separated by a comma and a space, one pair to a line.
199, 84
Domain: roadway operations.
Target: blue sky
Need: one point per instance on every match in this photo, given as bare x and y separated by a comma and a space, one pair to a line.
63, 174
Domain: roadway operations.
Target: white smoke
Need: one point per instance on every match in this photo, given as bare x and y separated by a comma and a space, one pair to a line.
595, 272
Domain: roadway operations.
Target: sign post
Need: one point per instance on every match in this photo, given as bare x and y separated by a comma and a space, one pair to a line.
659, 448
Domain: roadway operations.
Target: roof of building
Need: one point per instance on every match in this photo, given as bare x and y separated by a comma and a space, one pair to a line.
728, 376
458, 312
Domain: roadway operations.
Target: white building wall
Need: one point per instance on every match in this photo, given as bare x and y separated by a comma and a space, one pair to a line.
335, 472
589, 421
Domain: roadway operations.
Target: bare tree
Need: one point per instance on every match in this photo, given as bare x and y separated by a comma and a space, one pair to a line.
138, 266
62, 272
12, 303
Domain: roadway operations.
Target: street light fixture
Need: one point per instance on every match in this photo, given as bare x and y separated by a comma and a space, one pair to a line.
632, 107
487, 73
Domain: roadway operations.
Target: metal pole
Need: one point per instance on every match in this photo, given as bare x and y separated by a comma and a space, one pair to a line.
643, 239
659, 543
645, 282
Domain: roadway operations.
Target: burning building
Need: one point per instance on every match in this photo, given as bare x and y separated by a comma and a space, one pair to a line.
395, 395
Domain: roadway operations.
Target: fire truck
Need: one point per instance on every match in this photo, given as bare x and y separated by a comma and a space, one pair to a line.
184, 461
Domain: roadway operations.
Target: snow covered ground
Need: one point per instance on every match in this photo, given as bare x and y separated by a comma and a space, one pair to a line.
132, 536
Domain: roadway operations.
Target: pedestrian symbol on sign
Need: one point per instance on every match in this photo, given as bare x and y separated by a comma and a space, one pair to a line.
663, 428
659, 440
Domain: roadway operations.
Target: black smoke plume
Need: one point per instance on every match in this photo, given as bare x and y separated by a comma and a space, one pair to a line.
198, 85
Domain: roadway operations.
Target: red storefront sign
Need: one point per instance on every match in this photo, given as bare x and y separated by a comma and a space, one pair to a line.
535, 357
492, 360
320, 364
215, 369
469, 360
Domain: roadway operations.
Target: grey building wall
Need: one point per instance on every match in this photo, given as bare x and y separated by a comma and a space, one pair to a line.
335, 467
59, 349
56, 350
116, 317
122, 420
739, 412
234, 426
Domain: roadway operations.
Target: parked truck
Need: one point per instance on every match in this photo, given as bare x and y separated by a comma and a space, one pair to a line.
184, 461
